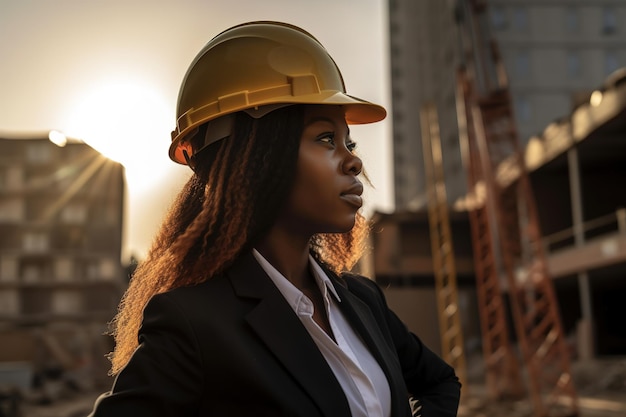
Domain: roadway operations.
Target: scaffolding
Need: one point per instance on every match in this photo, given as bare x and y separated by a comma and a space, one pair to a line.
450, 329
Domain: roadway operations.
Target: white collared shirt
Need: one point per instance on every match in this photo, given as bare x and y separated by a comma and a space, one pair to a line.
363, 381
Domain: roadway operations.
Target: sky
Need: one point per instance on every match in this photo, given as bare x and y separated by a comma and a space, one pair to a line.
108, 72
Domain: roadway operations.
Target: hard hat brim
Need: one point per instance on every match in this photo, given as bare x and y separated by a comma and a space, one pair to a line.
357, 111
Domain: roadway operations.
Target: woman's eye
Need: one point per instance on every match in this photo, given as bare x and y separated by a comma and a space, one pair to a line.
327, 138
351, 146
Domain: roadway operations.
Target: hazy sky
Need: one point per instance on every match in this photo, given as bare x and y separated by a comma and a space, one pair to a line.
109, 72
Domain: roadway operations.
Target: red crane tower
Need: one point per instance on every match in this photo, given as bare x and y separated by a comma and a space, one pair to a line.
506, 232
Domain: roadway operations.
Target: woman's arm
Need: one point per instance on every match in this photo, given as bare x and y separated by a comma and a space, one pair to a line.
163, 377
429, 379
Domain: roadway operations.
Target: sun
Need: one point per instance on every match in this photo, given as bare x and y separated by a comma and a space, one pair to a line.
128, 121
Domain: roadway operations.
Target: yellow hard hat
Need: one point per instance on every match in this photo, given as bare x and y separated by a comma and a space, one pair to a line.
257, 67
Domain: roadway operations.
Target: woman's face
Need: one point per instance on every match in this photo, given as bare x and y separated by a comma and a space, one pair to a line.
326, 193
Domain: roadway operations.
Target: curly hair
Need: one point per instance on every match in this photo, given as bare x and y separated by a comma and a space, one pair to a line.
229, 203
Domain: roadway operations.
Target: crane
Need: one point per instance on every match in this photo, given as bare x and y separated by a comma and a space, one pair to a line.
507, 226
502, 371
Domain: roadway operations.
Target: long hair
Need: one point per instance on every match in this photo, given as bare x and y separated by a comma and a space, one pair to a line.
230, 202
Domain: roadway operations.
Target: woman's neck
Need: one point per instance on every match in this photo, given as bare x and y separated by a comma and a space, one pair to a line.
289, 254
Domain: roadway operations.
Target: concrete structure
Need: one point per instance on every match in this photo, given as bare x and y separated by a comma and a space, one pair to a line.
578, 171
60, 248
555, 51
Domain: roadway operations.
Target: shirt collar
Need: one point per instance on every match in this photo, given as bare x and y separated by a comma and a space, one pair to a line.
320, 275
291, 293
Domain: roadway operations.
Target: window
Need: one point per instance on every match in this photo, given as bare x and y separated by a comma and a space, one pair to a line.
396, 72
522, 64
66, 302
609, 21
8, 269
400, 180
9, 302
573, 64
10, 178
522, 109
63, 269
395, 50
398, 117
39, 153
399, 158
12, 209
92, 271
498, 18
572, 20
35, 242
33, 271
107, 269
111, 215
74, 214
520, 19
68, 237
393, 5
611, 63
64, 182
397, 94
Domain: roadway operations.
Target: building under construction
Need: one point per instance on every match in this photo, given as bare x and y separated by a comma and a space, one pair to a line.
61, 278
575, 163
529, 252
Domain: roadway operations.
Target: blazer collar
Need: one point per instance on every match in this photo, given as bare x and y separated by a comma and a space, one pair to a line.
279, 328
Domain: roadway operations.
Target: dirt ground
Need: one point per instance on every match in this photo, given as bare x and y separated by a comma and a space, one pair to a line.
600, 384
600, 388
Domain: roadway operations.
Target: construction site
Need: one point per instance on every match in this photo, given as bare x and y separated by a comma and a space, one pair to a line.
525, 266
506, 251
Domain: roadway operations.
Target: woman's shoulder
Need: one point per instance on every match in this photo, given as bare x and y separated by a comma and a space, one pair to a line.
201, 295
361, 286
356, 280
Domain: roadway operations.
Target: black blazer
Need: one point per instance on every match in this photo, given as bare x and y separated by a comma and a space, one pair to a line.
233, 346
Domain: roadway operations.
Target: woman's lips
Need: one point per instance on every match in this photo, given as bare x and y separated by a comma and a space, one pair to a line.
353, 199
353, 194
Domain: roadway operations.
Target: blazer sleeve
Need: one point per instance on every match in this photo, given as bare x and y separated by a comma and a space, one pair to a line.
429, 379
163, 377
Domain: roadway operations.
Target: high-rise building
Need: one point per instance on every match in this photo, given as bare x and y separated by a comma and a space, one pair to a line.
555, 52
424, 56
61, 276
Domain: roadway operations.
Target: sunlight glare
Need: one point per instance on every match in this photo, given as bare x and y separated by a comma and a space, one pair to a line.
129, 122
58, 138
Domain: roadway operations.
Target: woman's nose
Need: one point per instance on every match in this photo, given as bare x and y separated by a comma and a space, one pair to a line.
352, 165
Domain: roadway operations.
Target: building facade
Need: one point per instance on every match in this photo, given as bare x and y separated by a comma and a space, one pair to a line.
555, 52
61, 278
566, 62
423, 57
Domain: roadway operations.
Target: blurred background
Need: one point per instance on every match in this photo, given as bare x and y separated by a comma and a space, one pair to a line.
498, 206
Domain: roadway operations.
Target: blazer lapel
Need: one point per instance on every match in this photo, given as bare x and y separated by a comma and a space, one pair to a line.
361, 317
279, 328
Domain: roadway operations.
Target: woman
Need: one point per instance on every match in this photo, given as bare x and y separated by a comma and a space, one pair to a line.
242, 306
